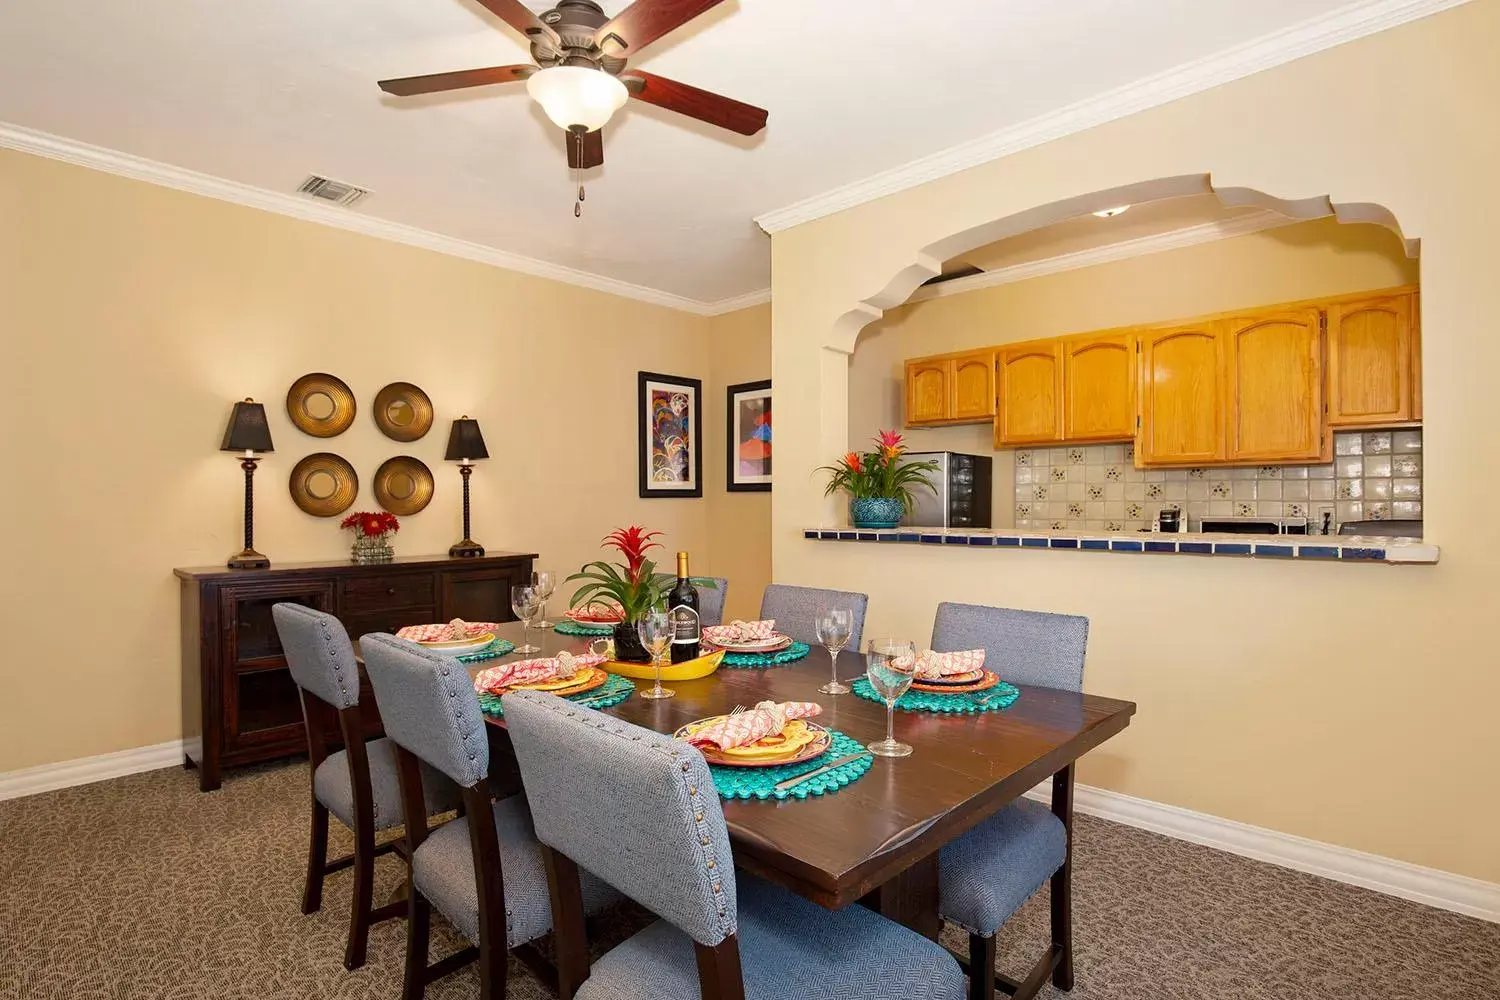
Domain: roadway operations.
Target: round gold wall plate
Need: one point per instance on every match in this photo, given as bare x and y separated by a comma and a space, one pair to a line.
323, 484
403, 412
403, 485
320, 404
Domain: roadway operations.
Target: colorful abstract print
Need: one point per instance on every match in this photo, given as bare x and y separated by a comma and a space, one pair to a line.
671, 437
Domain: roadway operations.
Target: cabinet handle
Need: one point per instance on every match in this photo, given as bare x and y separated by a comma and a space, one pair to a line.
390, 591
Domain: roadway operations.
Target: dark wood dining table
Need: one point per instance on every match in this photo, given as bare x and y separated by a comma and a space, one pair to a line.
877, 839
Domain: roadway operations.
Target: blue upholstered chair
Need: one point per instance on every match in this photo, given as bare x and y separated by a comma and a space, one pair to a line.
796, 611
711, 602
640, 810
987, 874
484, 870
356, 784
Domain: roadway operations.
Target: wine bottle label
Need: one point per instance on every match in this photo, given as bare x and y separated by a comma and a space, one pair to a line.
684, 624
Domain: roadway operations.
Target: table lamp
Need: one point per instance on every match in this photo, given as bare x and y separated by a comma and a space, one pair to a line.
249, 434
465, 446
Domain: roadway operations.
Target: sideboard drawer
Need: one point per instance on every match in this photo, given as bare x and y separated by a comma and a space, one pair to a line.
387, 619
387, 590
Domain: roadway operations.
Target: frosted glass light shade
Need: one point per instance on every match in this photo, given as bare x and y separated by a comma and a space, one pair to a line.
576, 95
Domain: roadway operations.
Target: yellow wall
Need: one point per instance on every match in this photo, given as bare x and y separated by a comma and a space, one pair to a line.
739, 523
134, 315
1302, 261
1353, 704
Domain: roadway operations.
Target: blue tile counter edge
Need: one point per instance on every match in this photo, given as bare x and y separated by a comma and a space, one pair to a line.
1342, 548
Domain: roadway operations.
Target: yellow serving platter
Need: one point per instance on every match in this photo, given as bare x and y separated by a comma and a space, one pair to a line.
688, 670
584, 676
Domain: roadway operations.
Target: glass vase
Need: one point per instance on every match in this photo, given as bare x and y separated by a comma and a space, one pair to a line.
372, 550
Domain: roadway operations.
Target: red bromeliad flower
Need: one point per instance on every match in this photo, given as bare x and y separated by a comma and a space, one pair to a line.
371, 524
633, 543
891, 444
854, 462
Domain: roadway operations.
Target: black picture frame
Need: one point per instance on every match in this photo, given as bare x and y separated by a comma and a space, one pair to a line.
650, 486
732, 479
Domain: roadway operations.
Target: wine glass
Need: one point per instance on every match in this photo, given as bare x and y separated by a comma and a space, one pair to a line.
525, 601
545, 583
834, 626
655, 630
890, 665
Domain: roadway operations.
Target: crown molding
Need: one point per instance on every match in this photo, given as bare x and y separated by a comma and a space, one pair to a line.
758, 297
1176, 239
1347, 24
139, 168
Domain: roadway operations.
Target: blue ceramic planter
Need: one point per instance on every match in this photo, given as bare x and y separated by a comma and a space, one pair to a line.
876, 512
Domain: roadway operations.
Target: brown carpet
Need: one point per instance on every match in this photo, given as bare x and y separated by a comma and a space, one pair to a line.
141, 887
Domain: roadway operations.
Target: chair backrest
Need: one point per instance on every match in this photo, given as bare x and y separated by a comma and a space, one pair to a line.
796, 611
1023, 647
634, 807
429, 706
318, 654
711, 602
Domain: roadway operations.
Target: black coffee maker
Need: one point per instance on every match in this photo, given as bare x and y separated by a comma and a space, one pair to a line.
1169, 520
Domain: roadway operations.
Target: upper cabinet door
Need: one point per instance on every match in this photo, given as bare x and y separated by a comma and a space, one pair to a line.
1275, 409
1182, 396
1371, 348
929, 387
1099, 388
1031, 383
974, 385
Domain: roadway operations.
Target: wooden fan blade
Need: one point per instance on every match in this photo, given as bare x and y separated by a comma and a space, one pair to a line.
585, 150
644, 21
518, 16
746, 119
410, 86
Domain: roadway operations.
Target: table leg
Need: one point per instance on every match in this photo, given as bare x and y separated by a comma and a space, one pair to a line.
911, 898
1062, 883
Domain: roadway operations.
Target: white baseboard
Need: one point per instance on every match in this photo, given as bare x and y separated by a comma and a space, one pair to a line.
67, 773
1429, 886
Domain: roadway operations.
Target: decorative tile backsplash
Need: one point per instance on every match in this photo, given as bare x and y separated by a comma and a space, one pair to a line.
1375, 475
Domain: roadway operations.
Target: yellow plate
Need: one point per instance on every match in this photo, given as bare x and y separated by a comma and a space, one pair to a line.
689, 670
584, 676
477, 641
795, 736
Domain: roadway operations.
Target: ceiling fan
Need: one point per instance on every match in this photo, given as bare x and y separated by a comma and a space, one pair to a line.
580, 78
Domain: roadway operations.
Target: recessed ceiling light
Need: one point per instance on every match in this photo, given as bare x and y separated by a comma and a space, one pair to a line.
1110, 213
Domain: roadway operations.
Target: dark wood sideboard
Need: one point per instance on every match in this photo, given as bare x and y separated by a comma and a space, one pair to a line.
239, 704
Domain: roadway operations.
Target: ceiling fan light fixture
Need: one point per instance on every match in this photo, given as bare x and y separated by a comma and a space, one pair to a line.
577, 96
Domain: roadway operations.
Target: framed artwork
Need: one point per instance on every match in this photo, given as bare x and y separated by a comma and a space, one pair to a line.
748, 449
671, 435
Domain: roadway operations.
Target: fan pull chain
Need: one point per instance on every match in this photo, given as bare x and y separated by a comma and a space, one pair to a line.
578, 176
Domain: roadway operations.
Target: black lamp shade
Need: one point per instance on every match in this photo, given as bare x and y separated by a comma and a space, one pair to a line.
465, 441
247, 430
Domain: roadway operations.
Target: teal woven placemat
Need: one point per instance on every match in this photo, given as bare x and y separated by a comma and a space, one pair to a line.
573, 628
760, 782
499, 647
1000, 696
791, 654
606, 695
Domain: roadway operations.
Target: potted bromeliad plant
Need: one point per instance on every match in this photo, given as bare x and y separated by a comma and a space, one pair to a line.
634, 586
879, 482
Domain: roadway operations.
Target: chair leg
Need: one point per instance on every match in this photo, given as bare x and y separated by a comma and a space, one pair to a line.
981, 967
317, 859
363, 899
494, 964
418, 920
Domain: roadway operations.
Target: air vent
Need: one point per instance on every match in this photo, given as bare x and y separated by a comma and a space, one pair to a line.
964, 271
324, 189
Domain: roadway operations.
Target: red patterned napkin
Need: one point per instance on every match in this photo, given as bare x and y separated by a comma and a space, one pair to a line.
761, 721
597, 613
559, 667
933, 666
446, 632
738, 631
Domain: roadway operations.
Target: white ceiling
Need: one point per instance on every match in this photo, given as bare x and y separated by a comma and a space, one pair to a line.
265, 92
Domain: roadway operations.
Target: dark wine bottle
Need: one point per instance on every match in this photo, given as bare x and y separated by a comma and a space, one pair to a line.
682, 607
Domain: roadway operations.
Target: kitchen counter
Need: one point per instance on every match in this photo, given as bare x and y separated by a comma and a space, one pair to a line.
1345, 548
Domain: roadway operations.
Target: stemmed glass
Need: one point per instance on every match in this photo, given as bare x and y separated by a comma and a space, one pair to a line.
525, 601
655, 630
834, 626
545, 583
890, 665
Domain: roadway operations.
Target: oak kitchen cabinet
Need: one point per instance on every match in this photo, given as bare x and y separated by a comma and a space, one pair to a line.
1274, 408
1099, 385
1182, 395
1373, 361
951, 389
1030, 387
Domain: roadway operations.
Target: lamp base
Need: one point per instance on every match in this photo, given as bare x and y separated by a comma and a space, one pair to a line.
249, 559
466, 549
